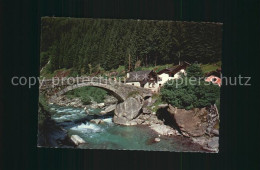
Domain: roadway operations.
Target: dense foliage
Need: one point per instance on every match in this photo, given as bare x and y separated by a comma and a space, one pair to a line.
194, 70
88, 94
86, 44
189, 93
43, 111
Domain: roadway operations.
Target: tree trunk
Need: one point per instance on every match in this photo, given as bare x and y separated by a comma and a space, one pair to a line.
129, 63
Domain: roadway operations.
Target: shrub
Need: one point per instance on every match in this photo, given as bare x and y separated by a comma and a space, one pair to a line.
120, 69
87, 94
138, 69
186, 95
73, 73
194, 70
85, 100
158, 101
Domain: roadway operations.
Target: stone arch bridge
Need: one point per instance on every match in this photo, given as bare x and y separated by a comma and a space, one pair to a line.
131, 99
53, 88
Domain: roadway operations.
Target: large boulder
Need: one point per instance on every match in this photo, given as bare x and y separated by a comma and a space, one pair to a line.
128, 110
191, 122
108, 109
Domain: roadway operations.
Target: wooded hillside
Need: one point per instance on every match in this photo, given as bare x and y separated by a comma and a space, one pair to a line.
107, 43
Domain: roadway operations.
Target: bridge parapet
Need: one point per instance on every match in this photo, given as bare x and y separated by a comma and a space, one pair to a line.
55, 87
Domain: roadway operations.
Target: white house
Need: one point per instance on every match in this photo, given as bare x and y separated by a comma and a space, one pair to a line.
144, 79
152, 80
171, 73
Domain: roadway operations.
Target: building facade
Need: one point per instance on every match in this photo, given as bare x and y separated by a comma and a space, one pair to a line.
153, 80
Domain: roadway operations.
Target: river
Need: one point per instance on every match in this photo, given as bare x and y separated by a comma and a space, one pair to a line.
111, 136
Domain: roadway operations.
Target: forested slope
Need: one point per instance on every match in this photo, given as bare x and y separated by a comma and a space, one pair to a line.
82, 44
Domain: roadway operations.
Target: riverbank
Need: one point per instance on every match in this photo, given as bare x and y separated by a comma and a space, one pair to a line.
50, 134
70, 118
108, 135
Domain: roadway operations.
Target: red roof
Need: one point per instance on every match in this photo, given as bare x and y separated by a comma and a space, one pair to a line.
214, 79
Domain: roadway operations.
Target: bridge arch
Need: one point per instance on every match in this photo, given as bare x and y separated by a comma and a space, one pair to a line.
110, 89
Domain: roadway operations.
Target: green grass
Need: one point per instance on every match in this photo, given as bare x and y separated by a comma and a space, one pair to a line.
210, 67
121, 70
155, 68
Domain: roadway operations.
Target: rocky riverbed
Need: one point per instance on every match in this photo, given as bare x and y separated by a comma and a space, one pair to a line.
199, 125
101, 133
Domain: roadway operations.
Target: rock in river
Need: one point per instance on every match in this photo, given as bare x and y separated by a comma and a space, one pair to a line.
157, 139
97, 121
127, 111
77, 140
108, 109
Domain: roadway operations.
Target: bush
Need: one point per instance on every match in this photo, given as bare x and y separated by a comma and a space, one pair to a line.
86, 94
85, 100
73, 73
120, 69
190, 95
138, 69
158, 101
194, 70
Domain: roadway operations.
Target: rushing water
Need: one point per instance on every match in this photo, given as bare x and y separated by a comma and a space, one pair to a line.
111, 136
